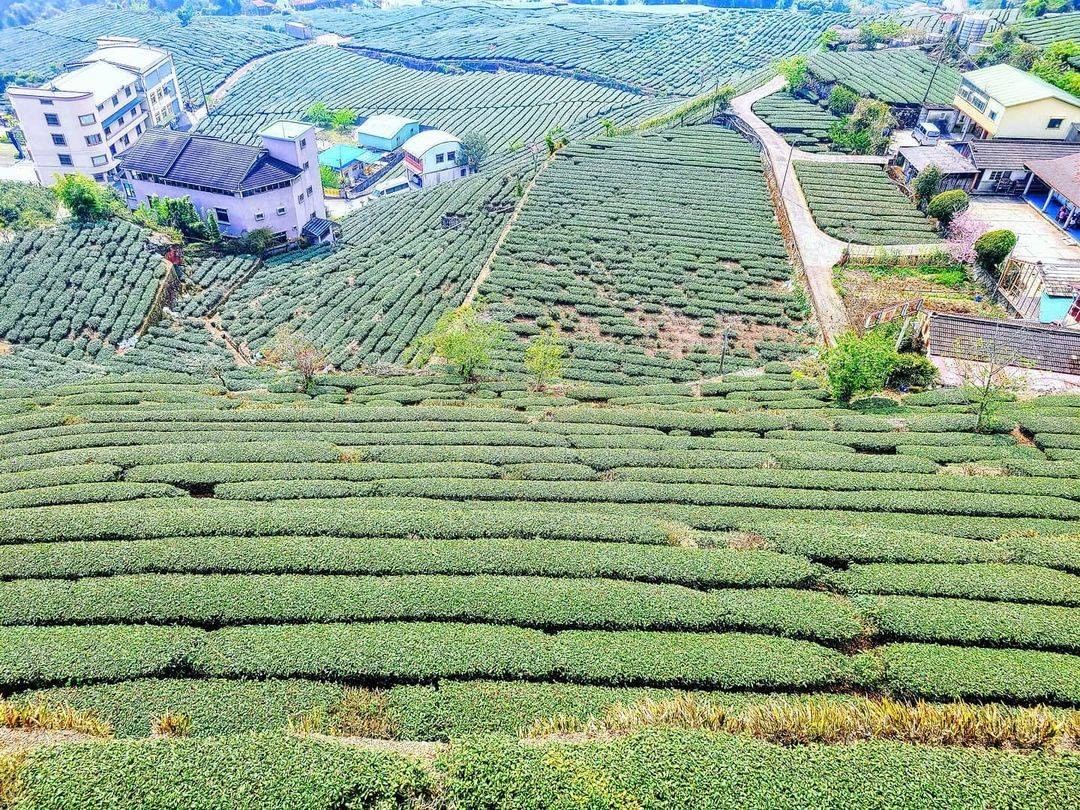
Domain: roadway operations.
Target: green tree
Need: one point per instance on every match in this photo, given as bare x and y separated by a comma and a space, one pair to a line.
87, 200
555, 140
24, 206
298, 354
320, 115
992, 248
879, 31
474, 148
330, 178
842, 100
1056, 65
795, 70
860, 365
946, 205
465, 339
343, 119
926, 184
545, 359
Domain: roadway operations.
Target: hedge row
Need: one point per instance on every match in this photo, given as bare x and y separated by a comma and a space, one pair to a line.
697, 769
842, 545
706, 568
965, 621
213, 473
56, 476
935, 671
1008, 582
944, 503
382, 518
415, 651
92, 493
215, 600
224, 773
863, 480
282, 451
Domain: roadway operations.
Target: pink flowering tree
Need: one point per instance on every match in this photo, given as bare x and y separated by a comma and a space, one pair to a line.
964, 230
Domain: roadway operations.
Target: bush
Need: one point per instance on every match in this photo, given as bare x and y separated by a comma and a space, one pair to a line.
842, 101
87, 200
992, 248
944, 206
859, 365
926, 184
912, 371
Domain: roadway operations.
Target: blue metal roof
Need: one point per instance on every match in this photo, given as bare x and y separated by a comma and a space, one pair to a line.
342, 155
116, 116
202, 161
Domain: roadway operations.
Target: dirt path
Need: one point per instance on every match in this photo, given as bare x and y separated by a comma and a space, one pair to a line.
485, 270
238, 355
819, 251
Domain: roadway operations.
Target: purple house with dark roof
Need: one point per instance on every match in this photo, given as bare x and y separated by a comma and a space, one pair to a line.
275, 186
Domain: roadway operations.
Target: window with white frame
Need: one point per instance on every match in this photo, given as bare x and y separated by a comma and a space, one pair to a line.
281, 211
93, 140
99, 160
88, 119
259, 216
222, 215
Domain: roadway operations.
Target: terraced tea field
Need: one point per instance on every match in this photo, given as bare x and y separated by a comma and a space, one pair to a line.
651, 241
78, 291
859, 203
899, 76
801, 122
662, 54
1044, 31
205, 51
507, 108
378, 559
401, 264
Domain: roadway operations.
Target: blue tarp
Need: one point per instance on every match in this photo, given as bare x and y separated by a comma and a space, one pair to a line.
1053, 308
342, 156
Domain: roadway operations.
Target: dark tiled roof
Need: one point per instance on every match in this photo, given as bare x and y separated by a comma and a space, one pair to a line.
317, 228
1010, 153
202, 161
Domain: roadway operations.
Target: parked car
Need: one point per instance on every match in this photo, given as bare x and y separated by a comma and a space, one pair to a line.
391, 186
927, 133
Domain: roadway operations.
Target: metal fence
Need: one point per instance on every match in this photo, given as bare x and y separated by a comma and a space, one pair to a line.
1017, 343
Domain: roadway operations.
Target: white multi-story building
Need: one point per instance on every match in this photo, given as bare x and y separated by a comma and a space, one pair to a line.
433, 157
83, 120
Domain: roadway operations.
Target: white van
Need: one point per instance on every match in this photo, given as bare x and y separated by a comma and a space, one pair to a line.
393, 186
927, 133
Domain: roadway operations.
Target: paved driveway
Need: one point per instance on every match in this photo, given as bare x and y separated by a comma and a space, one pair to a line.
1038, 240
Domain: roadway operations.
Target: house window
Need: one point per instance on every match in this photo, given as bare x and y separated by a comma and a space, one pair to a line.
46, 101
126, 140
99, 160
301, 197
450, 156
93, 140
281, 211
87, 120
65, 160
303, 145
222, 215
1055, 123
108, 131
127, 91
439, 158
1000, 175
112, 148
464, 172
309, 191
138, 129
59, 140
129, 191
307, 163
993, 115
52, 119
259, 216
99, 177
116, 101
